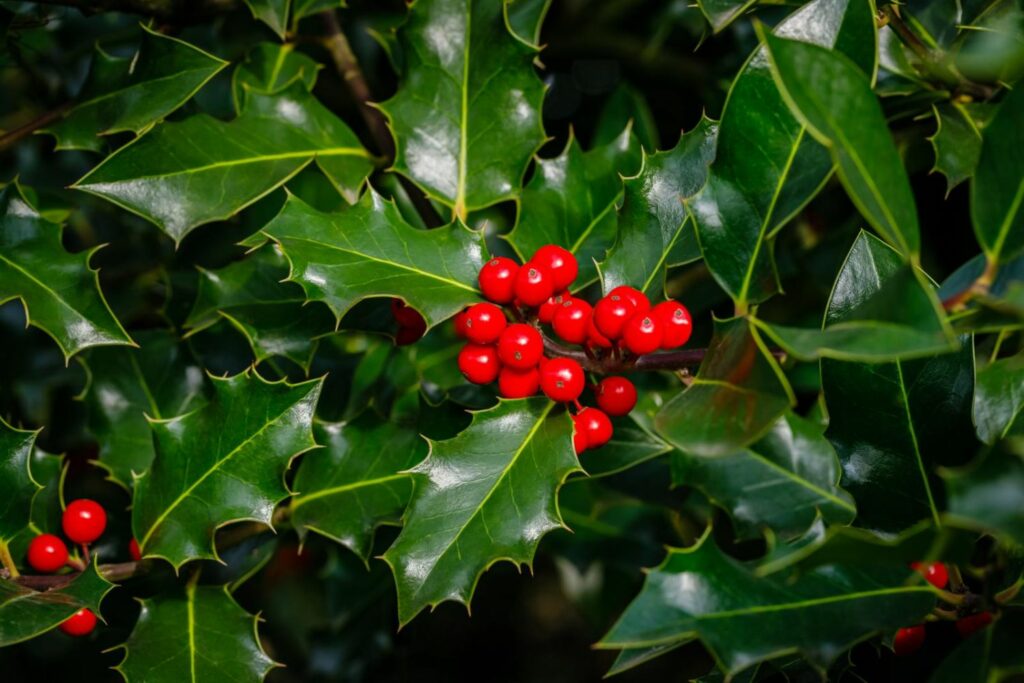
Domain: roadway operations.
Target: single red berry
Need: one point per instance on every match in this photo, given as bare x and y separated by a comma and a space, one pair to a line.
579, 435
642, 334
908, 640
410, 334
560, 264
533, 285
562, 379
484, 323
547, 310
84, 520
595, 338
616, 396
975, 622
133, 550
639, 299
81, 623
596, 425
571, 320
676, 324
514, 383
405, 315
498, 280
460, 324
47, 553
520, 346
479, 363
934, 573
611, 314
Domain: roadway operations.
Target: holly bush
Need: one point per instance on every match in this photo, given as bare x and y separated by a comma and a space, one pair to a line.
319, 318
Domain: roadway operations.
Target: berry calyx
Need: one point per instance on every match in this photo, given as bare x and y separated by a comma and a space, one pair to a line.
642, 334
533, 285
520, 346
514, 383
611, 315
559, 263
47, 553
676, 324
479, 363
596, 425
498, 280
571, 320
640, 301
934, 573
562, 380
973, 623
84, 520
484, 323
81, 623
616, 396
908, 640
133, 550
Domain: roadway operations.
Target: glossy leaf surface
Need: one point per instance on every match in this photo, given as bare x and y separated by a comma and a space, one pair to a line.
999, 399
271, 68
26, 613
997, 192
15, 479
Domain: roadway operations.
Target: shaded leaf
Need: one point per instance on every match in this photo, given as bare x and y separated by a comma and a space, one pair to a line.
988, 494
721, 13
629, 447
997, 192
270, 68
957, 140
999, 399
273, 13
15, 479
26, 613
525, 18
993, 654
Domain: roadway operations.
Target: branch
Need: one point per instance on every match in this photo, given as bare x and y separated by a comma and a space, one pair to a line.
11, 137
173, 11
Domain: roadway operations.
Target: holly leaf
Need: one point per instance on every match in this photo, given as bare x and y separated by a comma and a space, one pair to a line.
571, 200
957, 139
130, 94
159, 379
988, 494
46, 510
368, 250
721, 13
653, 222
630, 446
26, 613
60, 292
832, 97
997, 192
222, 463
744, 619
525, 18
466, 117
991, 655
781, 482
357, 481
888, 311
766, 166
182, 175
507, 467
738, 393
270, 68
16, 480
999, 399
177, 631
273, 13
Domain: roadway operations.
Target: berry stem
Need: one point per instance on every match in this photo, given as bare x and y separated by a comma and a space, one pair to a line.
8, 561
85, 553
956, 579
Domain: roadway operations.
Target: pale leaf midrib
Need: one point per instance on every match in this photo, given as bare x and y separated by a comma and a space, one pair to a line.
345, 488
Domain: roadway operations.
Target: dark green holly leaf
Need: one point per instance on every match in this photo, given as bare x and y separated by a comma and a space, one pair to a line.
525, 18
196, 634
571, 199
653, 218
832, 97
737, 395
26, 613
997, 192
273, 13
766, 166
506, 467
222, 463
466, 117
305, 8
721, 13
132, 93
630, 659
994, 654
988, 494
182, 175
271, 68
999, 399
888, 311
743, 619
368, 250
159, 379
49, 471
357, 481
630, 446
61, 294
16, 481
781, 482
957, 139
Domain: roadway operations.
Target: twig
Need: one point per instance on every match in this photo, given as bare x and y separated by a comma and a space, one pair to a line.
978, 287
11, 137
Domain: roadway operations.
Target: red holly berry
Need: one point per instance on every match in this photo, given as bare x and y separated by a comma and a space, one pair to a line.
562, 379
934, 573
611, 314
84, 520
975, 622
676, 324
642, 334
571, 320
410, 334
559, 263
639, 299
533, 285
595, 338
547, 310
616, 396
485, 323
579, 436
498, 280
520, 346
908, 640
47, 553
479, 363
81, 623
460, 324
133, 550
514, 383
596, 426
405, 315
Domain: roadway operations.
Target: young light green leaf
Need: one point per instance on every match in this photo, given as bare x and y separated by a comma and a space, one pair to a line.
15, 480
270, 68
506, 468
997, 193
273, 13
999, 399
466, 117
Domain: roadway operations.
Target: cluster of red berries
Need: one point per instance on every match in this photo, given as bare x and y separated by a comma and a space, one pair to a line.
910, 639
83, 522
622, 324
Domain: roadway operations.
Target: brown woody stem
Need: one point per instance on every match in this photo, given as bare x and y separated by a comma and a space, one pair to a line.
11, 137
